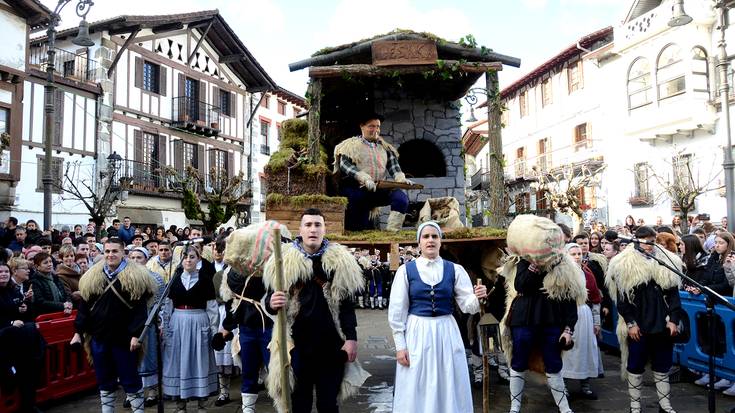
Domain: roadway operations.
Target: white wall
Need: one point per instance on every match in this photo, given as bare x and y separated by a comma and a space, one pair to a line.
13, 45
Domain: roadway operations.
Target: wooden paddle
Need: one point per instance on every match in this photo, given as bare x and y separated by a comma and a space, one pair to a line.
397, 185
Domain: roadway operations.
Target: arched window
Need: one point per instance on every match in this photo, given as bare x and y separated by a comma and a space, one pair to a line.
639, 83
670, 72
700, 71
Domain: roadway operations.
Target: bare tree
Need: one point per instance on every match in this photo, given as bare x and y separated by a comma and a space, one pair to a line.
223, 194
563, 185
97, 194
684, 185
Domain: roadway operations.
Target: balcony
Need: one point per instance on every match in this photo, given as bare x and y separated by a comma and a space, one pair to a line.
143, 177
543, 163
644, 199
195, 116
66, 64
480, 180
265, 150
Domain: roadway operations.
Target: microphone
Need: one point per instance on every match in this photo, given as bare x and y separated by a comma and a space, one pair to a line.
635, 240
191, 241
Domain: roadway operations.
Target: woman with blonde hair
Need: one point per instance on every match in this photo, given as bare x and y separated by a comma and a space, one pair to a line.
69, 274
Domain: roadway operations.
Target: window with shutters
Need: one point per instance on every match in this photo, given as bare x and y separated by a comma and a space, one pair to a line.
189, 155
263, 193
265, 127
151, 77
265, 102
683, 170
219, 166
670, 72
639, 84
546, 93
520, 166
574, 76
523, 103
282, 108
641, 180
57, 170
225, 102
581, 140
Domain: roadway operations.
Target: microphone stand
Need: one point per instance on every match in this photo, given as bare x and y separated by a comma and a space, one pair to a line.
152, 317
712, 298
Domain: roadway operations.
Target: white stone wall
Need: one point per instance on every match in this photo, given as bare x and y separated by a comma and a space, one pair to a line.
13, 45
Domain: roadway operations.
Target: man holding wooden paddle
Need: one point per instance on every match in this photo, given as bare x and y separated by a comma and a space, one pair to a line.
366, 163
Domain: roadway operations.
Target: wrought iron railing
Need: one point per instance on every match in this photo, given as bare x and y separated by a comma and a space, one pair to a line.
143, 176
66, 64
194, 115
480, 179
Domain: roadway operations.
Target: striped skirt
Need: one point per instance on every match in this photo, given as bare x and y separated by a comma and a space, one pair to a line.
189, 369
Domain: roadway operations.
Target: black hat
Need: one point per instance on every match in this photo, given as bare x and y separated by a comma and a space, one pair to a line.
368, 116
148, 241
138, 236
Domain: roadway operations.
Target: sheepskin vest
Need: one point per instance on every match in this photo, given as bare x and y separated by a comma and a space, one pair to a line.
370, 159
347, 280
630, 269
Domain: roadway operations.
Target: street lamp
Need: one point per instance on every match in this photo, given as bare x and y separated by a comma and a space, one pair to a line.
83, 40
496, 181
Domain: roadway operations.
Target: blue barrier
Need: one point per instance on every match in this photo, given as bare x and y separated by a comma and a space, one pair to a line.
695, 353
609, 336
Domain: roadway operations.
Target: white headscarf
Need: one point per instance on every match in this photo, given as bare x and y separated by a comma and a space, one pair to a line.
427, 224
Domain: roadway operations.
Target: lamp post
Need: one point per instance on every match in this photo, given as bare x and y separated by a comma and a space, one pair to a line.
496, 181
82, 39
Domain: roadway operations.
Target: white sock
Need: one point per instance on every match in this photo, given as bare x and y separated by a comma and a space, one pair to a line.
107, 399
517, 382
559, 391
136, 402
663, 391
635, 385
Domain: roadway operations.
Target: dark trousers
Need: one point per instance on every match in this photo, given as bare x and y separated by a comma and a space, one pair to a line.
253, 352
658, 348
361, 201
22, 350
525, 339
320, 371
113, 361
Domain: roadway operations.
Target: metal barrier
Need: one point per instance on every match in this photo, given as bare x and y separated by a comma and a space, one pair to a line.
65, 372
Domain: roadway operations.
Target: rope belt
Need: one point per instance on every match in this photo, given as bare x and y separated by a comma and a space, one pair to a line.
258, 306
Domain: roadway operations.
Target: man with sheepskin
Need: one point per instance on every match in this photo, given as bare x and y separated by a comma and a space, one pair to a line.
321, 277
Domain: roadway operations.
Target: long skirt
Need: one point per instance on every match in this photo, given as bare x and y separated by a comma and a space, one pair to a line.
189, 369
437, 379
148, 368
582, 361
223, 358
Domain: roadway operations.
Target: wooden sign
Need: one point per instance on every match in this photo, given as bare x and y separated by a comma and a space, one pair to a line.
404, 52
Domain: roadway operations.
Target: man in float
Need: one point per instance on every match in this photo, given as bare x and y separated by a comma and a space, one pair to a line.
362, 161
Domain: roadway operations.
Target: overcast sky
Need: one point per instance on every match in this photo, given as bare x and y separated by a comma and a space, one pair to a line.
279, 32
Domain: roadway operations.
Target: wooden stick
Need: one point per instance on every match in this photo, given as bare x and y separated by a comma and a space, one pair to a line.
399, 185
485, 361
282, 337
365, 70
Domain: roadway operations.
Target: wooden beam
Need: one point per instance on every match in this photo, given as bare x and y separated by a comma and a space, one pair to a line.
375, 71
314, 142
231, 58
160, 35
123, 30
119, 54
168, 27
199, 43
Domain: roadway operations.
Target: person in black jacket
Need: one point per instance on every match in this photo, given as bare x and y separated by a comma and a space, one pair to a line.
321, 278
111, 316
713, 274
21, 344
49, 294
647, 297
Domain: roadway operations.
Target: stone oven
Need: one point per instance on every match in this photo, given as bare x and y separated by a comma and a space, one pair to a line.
415, 81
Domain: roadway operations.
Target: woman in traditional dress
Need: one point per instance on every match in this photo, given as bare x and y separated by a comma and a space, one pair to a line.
431, 374
582, 361
190, 372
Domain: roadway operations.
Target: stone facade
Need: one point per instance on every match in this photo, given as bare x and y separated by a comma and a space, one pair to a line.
438, 123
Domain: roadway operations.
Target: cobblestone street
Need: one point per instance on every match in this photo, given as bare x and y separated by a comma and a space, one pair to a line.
377, 355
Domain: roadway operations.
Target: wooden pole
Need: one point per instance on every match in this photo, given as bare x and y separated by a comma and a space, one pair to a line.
485, 363
282, 335
315, 92
495, 144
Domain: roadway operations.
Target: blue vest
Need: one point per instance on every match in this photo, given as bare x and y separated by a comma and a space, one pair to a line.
425, 300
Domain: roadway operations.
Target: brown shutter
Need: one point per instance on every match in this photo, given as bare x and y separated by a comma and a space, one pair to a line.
182, 85
230, 164
213, 161
58, 117
162, 151
215, 98
180, 104
233, 102
201, 161
202, 97
178, 155
138, 156
138, 72
162, 81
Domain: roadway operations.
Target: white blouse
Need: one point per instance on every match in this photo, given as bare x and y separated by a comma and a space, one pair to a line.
431, 273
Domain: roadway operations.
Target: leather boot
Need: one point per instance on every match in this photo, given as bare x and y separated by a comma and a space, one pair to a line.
635, 385
663, 391
137, 403
517, 382
248, 402
559, 391
395, 221
107, 399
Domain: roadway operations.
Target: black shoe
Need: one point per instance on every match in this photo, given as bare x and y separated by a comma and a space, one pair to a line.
150, 401
126, 403
221, 401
